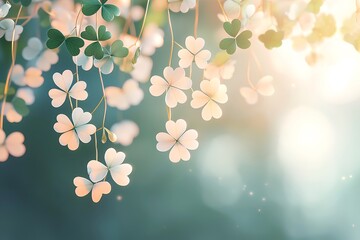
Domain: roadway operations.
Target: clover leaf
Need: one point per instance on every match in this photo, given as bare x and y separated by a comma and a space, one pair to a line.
25, 3
95, 49
44, 18
108, 11
11, 91
240, 40
56, 39
272, 39
118, 50
20, 106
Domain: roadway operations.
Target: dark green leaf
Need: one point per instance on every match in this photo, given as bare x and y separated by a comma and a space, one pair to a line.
25, 3
108, 12
20, 106
89, 33
56, 38
90, 7
73, 45
94, 49
103, 35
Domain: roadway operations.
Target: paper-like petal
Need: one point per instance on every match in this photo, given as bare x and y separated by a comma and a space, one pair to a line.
58, 97
46, 59
33, 48
120, 173
186, 58
211, 110
188, 139
78, 91
14, 144
265, 86
176, 129
84, 132
80, 117
83, 186
199, 99
174, 96
179, 152
194, 44
99, 189
4, 154
70, 139
96, 170
202, 58
165, 142
250, 95
158, 87
63, 81
63, 124
113, 158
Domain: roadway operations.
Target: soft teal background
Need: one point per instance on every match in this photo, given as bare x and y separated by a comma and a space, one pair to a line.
234, 186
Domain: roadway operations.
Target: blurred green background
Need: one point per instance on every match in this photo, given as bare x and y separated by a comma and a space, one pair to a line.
239, 184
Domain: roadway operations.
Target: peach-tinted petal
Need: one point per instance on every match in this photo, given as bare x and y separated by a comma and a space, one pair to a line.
96, 170
14, 144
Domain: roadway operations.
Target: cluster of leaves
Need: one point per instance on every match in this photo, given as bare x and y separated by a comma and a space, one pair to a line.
18, 103
241, 40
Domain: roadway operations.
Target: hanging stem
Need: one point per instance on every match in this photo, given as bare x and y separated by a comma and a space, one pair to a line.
144, 21
104, 98
8, 78
223, 10
96, 148
97, 106
248, 77
172, 38
196, 22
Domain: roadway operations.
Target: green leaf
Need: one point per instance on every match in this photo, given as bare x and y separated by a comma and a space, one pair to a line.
94, 49
20, 106
228, 44
56, 38
136, 55
272, 39
118, 49
242, 41
73, 45
90, 7
103, 35
109, 11
89, 33
25, 3
44, 18
232, 28
314, 6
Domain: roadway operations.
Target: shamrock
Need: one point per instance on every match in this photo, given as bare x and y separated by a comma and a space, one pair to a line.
272, 39
20, 106
25, 3
108, 11
117, 50
56, 39
95, 48
241, 40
